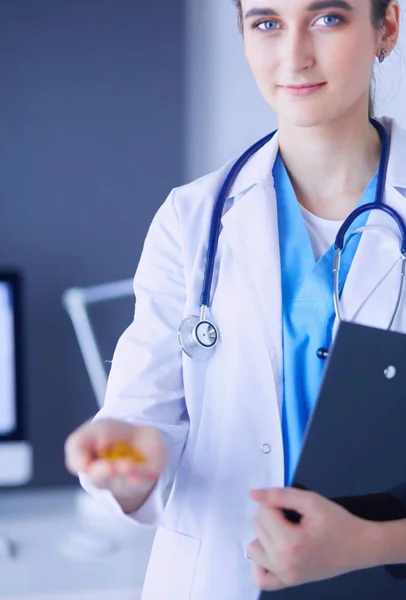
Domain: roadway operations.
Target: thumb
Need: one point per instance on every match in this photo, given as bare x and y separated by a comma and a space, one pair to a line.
290, 498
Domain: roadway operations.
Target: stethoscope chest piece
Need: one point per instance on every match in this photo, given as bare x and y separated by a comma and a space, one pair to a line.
198, 338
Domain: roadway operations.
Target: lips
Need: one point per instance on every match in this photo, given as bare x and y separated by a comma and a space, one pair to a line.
303, 86
302, 90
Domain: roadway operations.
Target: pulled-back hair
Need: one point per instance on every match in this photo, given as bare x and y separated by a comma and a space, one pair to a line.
379, 10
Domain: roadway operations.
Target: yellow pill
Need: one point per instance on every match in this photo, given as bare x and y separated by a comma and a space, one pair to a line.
122, 450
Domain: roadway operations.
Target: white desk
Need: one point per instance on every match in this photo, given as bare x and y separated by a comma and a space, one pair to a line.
50, 562
113, 594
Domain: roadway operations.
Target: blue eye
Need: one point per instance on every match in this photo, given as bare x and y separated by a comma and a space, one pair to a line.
267, 26
327, 21
330, 20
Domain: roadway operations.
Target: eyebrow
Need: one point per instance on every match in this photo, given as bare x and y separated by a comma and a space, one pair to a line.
315, 6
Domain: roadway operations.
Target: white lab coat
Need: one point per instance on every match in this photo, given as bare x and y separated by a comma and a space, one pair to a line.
222, 418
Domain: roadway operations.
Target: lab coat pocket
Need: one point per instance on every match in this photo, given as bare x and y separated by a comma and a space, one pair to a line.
171, 567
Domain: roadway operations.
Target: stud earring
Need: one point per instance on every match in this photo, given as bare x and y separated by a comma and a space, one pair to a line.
383, 55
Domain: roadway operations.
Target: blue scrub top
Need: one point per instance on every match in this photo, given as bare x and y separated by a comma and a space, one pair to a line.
307, 309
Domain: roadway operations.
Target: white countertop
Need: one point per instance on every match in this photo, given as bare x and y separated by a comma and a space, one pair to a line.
62, 553
113, 594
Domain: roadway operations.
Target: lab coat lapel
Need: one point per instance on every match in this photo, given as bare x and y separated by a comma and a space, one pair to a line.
251, 229
377, 254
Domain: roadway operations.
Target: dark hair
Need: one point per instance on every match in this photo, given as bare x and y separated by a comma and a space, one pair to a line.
379, 10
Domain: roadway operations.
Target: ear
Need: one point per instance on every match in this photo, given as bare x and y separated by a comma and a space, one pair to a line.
390, 30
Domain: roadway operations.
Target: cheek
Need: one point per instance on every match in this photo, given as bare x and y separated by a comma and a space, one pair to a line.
350, 76
262, 63
349, 63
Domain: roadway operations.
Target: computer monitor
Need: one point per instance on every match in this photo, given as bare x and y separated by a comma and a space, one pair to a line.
15, 451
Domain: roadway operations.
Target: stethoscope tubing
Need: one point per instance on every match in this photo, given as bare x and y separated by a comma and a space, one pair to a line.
188, 330
218, 213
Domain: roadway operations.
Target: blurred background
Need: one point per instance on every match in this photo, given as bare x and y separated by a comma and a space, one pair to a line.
105, 106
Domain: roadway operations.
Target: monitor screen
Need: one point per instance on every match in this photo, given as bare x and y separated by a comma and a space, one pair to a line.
8, 399
16, 465
11, 376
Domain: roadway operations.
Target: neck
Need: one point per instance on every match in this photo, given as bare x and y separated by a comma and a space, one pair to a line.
331, 165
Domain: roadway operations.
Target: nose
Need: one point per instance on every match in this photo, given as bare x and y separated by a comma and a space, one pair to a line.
297, 51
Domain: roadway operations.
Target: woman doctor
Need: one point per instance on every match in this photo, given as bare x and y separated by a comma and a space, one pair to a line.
228, 429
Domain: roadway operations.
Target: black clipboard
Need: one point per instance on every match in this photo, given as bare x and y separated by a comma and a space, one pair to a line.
354, 451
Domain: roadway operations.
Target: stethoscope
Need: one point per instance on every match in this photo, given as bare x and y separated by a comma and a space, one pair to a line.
198, 336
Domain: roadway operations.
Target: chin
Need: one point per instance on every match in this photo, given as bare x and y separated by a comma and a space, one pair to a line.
308, 117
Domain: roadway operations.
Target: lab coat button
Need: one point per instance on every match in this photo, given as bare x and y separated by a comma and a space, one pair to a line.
266, 449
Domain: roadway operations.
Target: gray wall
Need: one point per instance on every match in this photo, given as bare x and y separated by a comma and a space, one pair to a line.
91, 136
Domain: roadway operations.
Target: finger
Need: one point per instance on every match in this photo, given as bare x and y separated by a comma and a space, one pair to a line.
291, 498
79, 452
256, 553
128, 468
266, 580
154, 466
103, 476
274, 526
109, 432
100, 473
267, 542
275, 523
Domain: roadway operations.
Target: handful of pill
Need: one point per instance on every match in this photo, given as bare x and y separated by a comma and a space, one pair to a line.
122, 450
